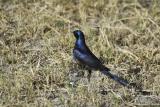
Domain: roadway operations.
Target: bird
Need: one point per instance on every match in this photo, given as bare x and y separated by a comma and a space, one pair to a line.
83, 55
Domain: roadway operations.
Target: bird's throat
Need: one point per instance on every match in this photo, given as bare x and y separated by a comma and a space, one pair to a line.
80, 43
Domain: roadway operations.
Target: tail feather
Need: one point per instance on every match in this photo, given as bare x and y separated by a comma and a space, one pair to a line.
106, 71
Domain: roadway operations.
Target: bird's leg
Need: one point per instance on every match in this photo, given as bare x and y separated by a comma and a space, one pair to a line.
89, 75
82, 67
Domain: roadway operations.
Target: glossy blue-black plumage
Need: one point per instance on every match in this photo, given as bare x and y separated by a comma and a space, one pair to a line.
83, 54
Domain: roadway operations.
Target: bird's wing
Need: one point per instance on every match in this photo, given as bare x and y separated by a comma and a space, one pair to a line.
87, 58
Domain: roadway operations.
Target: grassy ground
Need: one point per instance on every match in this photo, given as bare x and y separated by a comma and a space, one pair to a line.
36, 42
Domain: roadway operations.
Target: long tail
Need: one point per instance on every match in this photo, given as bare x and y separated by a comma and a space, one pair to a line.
106, 71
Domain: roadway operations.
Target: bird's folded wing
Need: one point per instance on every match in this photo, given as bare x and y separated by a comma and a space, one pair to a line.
87, 59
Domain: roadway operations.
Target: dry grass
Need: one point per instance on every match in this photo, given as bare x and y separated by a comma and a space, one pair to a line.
36, 44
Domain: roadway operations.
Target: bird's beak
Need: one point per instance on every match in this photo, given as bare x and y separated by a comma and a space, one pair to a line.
74, 32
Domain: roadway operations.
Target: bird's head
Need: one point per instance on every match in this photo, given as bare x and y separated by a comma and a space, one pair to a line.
78, 34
